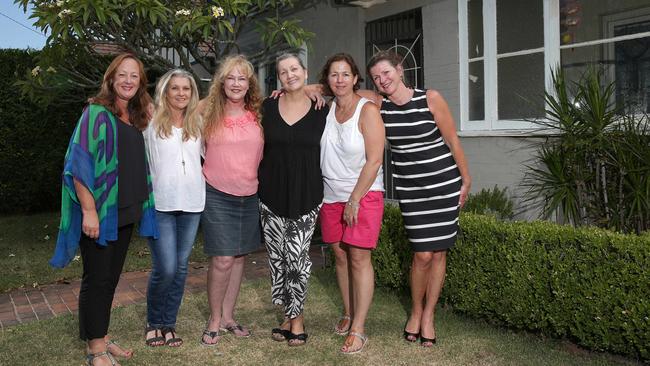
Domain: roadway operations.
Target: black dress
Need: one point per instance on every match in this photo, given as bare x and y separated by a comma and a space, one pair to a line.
290, 180
426, 178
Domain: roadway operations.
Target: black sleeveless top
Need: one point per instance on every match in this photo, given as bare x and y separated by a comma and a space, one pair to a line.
290, 180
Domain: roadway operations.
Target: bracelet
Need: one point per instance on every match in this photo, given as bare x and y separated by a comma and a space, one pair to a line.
353, 204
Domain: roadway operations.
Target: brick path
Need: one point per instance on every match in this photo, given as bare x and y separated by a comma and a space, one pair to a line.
29, 304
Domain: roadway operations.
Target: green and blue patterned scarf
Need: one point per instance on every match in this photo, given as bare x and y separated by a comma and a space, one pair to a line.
91, 159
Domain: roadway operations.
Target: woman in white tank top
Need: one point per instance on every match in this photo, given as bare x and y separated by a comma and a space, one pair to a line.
352, 150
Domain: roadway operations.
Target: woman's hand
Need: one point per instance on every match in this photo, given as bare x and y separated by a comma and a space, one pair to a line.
277, 93
90, 224
351, 213
464, 192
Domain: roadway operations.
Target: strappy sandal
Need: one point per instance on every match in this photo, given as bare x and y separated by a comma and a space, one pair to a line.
279, 334
174, 341
343, 331
90, 358
155, 341
122, 353
213, 335
349, 342
234, 328
301, 338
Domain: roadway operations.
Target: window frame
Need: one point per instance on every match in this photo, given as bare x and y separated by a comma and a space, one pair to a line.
491, 125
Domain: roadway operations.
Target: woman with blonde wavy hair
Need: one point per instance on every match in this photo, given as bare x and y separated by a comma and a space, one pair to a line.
233, 151
174, 147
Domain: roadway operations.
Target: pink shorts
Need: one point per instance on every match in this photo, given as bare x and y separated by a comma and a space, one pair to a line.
365, 233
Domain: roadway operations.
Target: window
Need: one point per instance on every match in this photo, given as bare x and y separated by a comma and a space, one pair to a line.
508, 48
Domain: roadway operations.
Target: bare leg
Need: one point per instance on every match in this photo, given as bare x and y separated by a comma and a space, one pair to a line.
420, 272
436, 280
341, 256
232, 292
297, 327
363, 286
219, 274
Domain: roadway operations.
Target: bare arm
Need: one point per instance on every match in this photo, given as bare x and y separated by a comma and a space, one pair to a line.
90, 221
372, 129
371, 95
445, 122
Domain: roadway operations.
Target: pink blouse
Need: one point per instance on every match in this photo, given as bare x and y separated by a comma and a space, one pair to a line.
233, 154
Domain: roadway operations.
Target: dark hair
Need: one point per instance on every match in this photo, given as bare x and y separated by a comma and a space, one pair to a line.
326, 70
138, 106
391, 57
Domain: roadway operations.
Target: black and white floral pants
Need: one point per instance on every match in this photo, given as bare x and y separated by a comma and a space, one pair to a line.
287, 242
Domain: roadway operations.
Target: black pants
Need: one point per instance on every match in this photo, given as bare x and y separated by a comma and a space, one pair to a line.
102, 268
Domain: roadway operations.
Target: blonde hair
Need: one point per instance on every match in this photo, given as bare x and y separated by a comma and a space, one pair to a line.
162, 116
214, 112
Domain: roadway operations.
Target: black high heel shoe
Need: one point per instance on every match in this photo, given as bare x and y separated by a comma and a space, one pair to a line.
411, 337
427, 342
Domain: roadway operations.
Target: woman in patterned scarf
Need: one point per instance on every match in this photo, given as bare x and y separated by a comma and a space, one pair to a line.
106, 190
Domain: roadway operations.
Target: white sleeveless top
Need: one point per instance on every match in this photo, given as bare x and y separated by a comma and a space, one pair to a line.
343, 155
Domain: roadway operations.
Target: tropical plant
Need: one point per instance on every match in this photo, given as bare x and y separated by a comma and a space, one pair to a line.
193, 34
595, 170
491, 201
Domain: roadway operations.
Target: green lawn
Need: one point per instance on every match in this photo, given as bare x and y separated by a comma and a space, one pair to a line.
27, 244
460, 341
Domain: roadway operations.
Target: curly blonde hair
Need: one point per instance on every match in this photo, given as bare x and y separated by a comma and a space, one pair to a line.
162, 116
214, 111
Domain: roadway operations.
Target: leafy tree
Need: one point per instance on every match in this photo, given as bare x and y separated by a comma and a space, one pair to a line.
198, 33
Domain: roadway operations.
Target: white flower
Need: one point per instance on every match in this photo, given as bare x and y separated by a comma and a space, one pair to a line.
36, 71
65, 12
183, 12
60, 3
76, 258
217, 11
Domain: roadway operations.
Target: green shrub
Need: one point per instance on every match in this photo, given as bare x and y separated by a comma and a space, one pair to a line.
33, 140
586, 284
493, 202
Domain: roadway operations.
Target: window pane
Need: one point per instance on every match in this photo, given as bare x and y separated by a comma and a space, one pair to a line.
582, 20
476, 94
520, 25
475, 24
521, 86
626, 63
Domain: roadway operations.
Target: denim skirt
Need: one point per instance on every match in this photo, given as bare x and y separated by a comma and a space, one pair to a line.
231, 224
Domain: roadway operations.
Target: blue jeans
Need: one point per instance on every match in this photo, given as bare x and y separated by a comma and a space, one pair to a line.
169, 255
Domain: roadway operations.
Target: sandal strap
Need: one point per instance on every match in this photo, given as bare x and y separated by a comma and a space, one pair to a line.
90, 358
361, 336
211, 333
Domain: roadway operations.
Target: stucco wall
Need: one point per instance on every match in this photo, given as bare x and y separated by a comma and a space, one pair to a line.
500, 161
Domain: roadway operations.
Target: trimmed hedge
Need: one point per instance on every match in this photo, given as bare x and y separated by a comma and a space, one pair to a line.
33, 140
589, 285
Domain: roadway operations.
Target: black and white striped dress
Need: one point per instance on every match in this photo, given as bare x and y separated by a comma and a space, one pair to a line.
425, 176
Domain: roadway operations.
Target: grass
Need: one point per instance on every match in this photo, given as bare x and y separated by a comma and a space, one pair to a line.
27, 244
461, 341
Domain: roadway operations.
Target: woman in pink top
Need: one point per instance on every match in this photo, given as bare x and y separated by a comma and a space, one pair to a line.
230, 221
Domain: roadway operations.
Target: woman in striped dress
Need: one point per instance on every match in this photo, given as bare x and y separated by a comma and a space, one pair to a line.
431, 180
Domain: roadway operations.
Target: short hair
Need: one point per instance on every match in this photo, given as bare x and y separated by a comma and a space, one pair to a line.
345, 57
288, 55
391, 57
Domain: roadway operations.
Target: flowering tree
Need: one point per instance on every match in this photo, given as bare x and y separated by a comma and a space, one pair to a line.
197, 32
